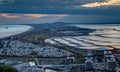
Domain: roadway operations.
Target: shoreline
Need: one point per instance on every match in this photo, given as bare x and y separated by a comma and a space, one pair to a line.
18, 33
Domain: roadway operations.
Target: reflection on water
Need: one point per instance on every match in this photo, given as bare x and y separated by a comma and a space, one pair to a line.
105, 32
112, 36
98, 26
105, 35
8, 30
48, 70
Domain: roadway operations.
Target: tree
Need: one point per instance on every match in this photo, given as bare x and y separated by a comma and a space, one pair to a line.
5, 68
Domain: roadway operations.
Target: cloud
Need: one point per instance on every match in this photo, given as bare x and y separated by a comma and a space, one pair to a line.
35, 15
5, 15
10, 15
14, 18
44, 15
84, 7
91, 19
101, 4
61, 15
6, 1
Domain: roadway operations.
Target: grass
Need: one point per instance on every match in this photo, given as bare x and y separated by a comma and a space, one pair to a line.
31, 37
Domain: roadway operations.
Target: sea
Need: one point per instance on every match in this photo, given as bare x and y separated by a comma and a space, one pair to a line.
104, 35
9, 30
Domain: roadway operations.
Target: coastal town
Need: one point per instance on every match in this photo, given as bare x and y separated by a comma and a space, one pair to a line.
59, 35
61, 53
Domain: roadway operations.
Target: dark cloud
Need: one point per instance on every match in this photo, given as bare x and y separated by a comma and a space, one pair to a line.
91, 19
56, 7
50, 18
7, 18
78, 11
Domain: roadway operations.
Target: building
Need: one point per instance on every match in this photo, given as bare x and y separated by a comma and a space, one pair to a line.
89, 61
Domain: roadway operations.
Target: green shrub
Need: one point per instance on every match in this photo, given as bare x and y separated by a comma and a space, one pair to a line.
5, 68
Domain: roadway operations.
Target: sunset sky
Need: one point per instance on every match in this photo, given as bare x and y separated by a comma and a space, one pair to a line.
49, 11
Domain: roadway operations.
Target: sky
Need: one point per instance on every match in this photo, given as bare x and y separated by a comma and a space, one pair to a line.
50, 11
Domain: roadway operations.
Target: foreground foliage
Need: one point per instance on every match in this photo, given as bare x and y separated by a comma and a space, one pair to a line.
5, 68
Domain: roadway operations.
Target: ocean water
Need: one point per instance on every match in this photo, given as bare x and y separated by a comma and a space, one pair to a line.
105, 37
98, 26
8, 30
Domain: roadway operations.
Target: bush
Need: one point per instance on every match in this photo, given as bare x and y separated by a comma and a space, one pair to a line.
5, 68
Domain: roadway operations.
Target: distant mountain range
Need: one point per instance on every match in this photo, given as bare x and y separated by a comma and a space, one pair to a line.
66, 23
84, 23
